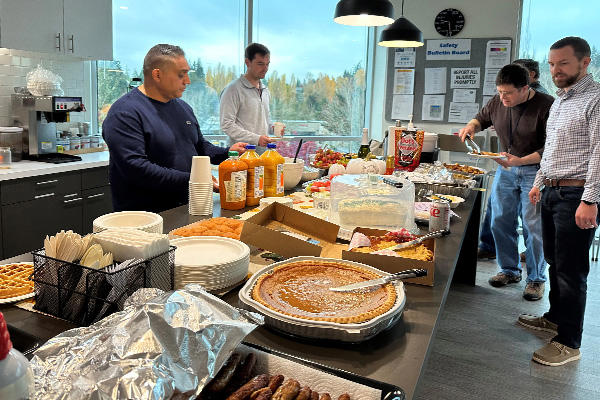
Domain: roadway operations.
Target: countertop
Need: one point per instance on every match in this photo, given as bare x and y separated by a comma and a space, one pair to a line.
26, 168
397, 356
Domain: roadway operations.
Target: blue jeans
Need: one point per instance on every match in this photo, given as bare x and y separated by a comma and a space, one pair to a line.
486, 239
567, 250
511, 188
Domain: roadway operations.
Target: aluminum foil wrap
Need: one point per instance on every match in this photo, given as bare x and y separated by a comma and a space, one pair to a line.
164, 345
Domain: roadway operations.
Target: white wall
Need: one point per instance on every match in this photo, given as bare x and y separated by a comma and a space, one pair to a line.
483, 18
15, 64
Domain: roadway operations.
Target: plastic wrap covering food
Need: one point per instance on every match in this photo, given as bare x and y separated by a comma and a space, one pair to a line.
161, 345
42, 82
373, 201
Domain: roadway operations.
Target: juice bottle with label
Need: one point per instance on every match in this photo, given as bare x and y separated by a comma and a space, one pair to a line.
273, 162
255, 189
232, 182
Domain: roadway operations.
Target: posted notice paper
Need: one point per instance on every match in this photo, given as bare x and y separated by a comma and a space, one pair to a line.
433, 107
489, 81
405, 57
402, 106
448, 49
404, 81
497, 53
464, 78
464, 95
462, 112
435, 80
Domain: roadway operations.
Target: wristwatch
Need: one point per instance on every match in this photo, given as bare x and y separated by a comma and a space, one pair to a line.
589, 203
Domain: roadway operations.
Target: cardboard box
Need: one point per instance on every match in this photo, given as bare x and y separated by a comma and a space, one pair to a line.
292, 233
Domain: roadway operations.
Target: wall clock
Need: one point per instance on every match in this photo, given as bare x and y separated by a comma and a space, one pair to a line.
449, 22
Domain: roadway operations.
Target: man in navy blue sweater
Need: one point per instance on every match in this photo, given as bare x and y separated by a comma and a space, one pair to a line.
152, 136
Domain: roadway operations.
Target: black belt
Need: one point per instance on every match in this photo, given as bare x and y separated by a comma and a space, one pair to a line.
564, 182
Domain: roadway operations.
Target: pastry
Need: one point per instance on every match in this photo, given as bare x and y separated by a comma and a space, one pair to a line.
15, 280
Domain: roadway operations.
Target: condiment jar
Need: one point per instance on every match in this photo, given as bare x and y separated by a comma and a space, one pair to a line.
5, 157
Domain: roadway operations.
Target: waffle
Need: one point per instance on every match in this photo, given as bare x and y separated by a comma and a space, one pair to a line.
14, 280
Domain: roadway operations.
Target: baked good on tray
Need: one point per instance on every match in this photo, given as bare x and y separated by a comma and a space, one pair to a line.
220, 226
14, 280
301, 289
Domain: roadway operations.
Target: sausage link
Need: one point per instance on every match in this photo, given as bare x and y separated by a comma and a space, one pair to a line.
304, 393
314, 395
262, 394
275, 381
344, 396
325, 396
223, 377
245, 371
243, 393
288, 391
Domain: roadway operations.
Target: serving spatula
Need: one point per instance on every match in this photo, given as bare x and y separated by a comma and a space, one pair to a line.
410, 273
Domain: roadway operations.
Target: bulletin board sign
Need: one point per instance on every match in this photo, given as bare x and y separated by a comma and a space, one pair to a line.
446, 80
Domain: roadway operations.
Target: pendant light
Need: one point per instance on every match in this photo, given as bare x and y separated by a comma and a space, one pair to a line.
364, 12
402, 33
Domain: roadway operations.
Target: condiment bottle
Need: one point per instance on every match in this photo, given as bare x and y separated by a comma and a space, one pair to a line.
16, 377
273, 163
232, 182
364, 149
390, 159
255, 189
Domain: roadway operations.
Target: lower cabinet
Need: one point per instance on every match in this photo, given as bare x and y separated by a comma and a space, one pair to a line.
28, 217
96, 202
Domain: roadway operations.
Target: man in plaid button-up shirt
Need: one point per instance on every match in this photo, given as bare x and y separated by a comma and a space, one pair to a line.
570, 177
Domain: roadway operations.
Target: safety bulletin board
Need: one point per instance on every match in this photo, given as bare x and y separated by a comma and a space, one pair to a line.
446, 80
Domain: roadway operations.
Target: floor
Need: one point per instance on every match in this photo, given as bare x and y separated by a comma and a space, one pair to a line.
480, 352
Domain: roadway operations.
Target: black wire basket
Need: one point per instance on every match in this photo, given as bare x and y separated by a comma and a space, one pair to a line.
85, 295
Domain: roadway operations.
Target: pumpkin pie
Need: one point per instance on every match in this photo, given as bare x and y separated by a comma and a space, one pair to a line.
301, 289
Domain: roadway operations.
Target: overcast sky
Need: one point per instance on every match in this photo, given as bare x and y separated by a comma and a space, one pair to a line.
301, 35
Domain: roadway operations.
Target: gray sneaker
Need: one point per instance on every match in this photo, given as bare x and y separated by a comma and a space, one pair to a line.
534, 291
555, 354
537, 323
502, 279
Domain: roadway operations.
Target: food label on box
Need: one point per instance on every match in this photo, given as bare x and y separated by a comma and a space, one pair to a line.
279, 178
259, 181
235, 189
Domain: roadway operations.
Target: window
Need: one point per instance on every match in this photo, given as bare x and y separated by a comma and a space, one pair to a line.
317, 72
540, 28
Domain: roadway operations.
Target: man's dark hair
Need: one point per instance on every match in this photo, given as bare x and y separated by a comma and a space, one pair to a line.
581, 48
530, 65
159, 55
513, 74
255, 48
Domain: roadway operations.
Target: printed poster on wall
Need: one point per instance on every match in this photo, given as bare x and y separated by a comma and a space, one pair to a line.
405, 57
402, 106
448, 49
464, 78
433, 107
497, 53
462, 112
435, 80
404, 81
489, 81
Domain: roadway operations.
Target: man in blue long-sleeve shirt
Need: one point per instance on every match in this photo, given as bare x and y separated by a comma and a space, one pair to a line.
152, 136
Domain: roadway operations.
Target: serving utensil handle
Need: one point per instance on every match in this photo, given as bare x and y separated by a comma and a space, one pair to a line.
409, 273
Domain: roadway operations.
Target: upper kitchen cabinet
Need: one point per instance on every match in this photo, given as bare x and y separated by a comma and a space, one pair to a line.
81, 28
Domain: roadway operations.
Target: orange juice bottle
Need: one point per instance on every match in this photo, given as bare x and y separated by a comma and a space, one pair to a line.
232, 182
273, 162
255, 189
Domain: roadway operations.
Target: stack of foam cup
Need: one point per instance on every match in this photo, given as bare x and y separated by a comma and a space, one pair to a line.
201, 187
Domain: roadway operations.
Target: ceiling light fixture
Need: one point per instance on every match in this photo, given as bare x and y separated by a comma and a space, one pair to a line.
364, 12
402, 33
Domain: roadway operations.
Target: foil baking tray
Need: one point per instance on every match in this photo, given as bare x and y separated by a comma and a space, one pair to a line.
324, 330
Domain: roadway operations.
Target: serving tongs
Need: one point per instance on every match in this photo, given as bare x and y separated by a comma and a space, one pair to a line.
471, 145
410, 273
430, 235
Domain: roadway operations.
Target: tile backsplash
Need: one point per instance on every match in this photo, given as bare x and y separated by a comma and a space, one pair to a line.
15, 64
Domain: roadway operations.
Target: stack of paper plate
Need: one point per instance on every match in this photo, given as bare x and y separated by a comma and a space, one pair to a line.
142, 220
211, 261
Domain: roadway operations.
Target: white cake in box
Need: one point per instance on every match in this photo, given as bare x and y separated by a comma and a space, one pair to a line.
372, 201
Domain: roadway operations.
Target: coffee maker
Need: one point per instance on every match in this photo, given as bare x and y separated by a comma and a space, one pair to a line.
38, 115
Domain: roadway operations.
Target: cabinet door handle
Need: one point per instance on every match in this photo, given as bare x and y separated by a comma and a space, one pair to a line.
58, 40
71, 195
47, 182
95, 195
72, 200
72, 49
41, 196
